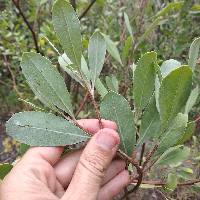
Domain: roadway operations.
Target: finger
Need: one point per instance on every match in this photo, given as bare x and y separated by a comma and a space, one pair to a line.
115, 168
94, 161
92, 125
65, 168
48, 154
114, 187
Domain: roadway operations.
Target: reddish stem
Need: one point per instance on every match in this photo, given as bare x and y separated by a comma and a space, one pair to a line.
82, 104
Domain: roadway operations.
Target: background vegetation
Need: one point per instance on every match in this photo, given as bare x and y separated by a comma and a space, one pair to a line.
168, 27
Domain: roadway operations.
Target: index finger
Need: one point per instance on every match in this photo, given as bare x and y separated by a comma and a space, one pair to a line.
92, 125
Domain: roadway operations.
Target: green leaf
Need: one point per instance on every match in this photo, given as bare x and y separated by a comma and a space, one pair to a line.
192, 99
149, 30
67, 27
187, 133
173, 94
196, 187
85, 70
112, 49
23, 149
166, 67
5, 168
128, 25
65, 64
116, 108
185, 173
171, 182
150, 123
173, 155
96, 55
101, 89
43, 129
170, 7
174, 133
126, 48
112, 83
45, 81
193, 53
144, 79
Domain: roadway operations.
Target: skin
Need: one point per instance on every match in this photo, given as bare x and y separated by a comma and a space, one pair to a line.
90, 174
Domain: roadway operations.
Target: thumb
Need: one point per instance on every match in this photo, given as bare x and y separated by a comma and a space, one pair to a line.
92, 165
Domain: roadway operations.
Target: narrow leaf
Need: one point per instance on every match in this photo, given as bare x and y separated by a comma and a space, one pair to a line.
185, 173
112, 83
171, 182
143, 81
128, 25
43, 129
173, 155
85, 70
101, 89
126, 48
192, 99
173, 94
193, 53
45, 81
174, 133
96, 55
115, 107
67, 27
66, 64
187, 133
150, 123
5, 168
112, 49
149, 29
170, 7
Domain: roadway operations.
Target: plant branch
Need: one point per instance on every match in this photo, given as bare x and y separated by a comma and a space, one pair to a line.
94, 103
142, 154
87, 9
16, 3
197, 119
149, 155
161, 183
135, 164
82, 104
7, 64
151, 165
73, 3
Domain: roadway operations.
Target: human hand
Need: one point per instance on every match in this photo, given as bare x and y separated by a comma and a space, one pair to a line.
85, 174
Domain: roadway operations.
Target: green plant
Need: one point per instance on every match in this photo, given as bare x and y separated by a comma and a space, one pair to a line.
152, 134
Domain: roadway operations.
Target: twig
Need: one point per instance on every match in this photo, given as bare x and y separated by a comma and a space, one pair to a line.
2, 82
149, 155
73, 3
82, 104
161, 183
94, 103
151, 165
136, 165
142, 154
7, 64
197, 119
16, 3
87, 9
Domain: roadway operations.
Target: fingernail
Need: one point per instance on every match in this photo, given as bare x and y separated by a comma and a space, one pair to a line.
107, 140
